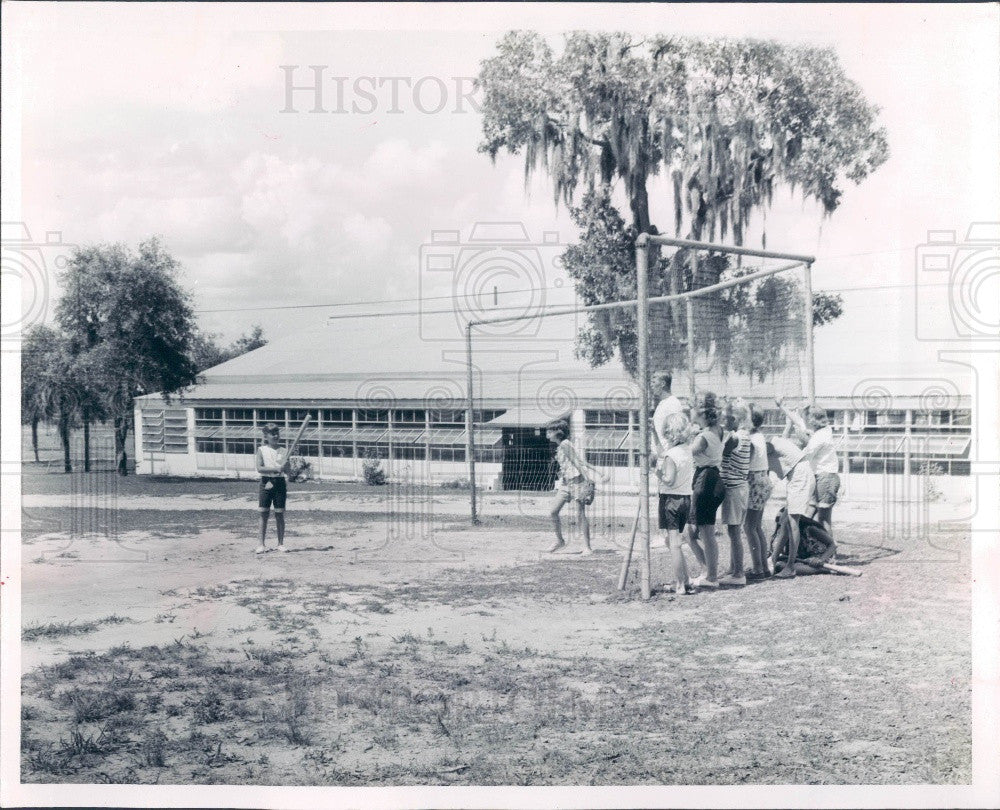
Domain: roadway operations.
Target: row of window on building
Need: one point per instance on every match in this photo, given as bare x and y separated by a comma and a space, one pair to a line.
865, 438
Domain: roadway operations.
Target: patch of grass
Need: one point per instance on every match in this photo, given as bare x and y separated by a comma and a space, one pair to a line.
153, 749
57, 630
71, 628
79, 744
90, 705
209, 708
47, 760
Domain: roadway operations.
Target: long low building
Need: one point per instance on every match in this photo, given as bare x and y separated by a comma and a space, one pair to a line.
414, 421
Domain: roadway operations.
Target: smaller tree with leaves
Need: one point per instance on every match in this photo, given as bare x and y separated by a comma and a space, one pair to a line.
38, 352
206, 351
135, 321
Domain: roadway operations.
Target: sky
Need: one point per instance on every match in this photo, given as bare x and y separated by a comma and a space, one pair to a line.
167, 120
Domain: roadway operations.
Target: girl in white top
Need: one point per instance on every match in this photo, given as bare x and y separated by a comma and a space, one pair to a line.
708, 489
675, 472
572, 484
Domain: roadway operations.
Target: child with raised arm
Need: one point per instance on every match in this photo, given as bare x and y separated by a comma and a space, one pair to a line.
675, 471
822, 456
800, 485
573, 484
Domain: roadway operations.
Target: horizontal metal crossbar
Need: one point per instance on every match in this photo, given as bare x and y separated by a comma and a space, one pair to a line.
739, 251
723, 285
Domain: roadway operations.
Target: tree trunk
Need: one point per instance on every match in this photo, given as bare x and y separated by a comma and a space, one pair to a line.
64, 436
34, 436
86, 443
639, 204
121, 433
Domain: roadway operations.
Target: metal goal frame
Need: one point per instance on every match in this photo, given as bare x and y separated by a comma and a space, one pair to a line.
641, 303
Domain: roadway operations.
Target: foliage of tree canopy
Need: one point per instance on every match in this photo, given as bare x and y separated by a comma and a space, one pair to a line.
728, 121
208, 352
130, 324
125, 328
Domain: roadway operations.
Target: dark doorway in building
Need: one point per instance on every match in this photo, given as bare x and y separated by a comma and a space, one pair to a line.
528, 459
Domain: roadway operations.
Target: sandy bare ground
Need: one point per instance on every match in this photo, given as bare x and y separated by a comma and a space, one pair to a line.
394, 644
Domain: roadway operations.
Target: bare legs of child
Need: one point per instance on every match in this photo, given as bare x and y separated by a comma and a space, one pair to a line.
558, 502
706, 549
264, 513
756, 541
696, 549
824, 516
279, 524
735, 576
585, 526
682, 581
792, 538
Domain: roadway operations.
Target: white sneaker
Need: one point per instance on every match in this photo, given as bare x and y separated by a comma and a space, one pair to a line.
282, 549
733, 581
261, 549
704, 582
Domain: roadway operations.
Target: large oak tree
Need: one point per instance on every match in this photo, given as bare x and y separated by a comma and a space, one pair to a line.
727, 121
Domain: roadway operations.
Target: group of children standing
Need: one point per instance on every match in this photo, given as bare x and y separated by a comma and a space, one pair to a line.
715, 457
711, 457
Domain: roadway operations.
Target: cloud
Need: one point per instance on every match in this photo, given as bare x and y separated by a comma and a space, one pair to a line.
368, 231
396, 163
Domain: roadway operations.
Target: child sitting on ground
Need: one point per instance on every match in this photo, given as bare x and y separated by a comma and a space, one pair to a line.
815, 549
789, 463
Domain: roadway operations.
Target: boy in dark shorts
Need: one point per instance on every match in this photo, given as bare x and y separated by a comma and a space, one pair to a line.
273, 488
675, 471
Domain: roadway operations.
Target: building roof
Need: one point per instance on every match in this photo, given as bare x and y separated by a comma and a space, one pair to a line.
332, 363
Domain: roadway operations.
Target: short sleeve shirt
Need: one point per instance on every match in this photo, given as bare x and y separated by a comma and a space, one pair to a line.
821, 453
788, 453
736, 465
271, 458
758, 459
681, 456
665, 408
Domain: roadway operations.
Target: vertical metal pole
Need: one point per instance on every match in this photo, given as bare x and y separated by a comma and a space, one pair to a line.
470, 441
908, 494
810, 359
689, 309
642, 323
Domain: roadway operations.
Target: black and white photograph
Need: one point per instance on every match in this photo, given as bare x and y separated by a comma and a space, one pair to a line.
500, 405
